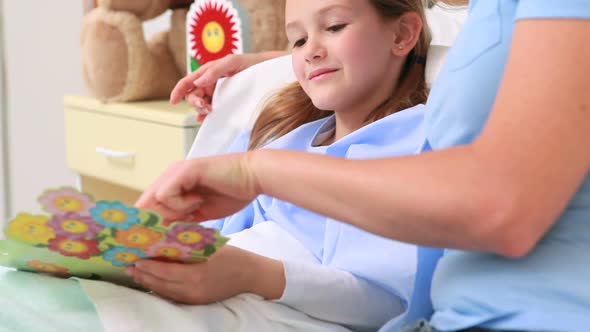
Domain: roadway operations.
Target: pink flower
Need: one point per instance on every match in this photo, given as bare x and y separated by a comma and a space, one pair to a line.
193, 236
66, 200
169, 250
74, 226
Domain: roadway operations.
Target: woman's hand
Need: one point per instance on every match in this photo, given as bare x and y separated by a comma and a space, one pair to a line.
229, 272
202, 189
198, 87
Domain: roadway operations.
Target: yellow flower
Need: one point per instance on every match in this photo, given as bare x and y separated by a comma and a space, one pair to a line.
30, 229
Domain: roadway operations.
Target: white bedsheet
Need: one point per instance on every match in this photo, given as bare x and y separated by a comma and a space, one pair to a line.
125, 310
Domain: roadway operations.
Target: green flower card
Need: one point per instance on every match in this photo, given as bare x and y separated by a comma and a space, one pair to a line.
97, 240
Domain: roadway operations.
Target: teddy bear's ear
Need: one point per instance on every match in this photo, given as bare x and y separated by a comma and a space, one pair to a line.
214, 29
264, 24
143, 9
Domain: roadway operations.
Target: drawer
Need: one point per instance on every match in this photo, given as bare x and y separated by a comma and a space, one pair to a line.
125, 151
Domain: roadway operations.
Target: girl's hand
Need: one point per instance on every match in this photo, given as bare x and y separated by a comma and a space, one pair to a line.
202, 189
229, 272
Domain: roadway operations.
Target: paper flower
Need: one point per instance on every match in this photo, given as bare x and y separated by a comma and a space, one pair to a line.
66, 200
122, 256
214, 30
171, 250
30, 229
138, 237
114, 214
39, 266
82, 249
193, 236
74, 226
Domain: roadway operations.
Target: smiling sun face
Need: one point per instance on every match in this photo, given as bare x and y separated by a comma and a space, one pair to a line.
214, 30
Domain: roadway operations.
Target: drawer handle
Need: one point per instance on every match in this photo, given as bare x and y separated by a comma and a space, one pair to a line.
114, 154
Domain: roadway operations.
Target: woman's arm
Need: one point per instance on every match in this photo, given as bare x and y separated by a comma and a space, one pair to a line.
207, 75
501, 193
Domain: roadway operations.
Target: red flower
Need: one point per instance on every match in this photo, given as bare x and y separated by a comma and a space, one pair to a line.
83, 249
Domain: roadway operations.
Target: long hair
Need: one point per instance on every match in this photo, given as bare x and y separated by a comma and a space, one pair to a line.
291, 107
448, 2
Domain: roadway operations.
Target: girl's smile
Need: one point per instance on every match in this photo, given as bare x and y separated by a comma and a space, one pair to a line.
321, 73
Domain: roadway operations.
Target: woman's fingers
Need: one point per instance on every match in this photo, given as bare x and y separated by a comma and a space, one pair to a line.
201, 104
181, 89
216, 70
206, 76
186, 85
195, 100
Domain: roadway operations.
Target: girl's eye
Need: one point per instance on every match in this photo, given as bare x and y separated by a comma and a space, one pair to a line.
300, 42
336, 28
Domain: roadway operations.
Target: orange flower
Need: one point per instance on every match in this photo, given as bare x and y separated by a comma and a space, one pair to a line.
40, 266
138, 237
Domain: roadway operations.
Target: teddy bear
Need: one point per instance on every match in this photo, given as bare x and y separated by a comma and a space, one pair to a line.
119, 65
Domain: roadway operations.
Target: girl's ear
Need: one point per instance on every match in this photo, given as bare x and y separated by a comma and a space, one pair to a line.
408, 28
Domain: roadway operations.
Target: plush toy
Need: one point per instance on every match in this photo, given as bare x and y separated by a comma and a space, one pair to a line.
118, 64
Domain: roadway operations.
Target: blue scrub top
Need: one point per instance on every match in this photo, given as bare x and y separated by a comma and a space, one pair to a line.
547, 290
333, 243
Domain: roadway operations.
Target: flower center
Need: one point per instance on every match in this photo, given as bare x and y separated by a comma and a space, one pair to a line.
74, 226
114, 215
189, 237
126, 257
69, 204
139, 238
73, 246
168, 252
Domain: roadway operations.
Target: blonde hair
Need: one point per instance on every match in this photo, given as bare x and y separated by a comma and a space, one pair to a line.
291, 107
449, 2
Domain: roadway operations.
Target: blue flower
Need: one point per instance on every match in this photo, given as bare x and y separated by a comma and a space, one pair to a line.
115, 214
123, 256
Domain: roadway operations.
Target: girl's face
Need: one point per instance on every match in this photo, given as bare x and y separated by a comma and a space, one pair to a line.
342, 52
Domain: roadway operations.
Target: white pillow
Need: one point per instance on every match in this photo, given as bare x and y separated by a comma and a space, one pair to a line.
237, 102
238, 99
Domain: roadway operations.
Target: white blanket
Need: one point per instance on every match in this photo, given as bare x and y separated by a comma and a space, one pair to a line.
125, 310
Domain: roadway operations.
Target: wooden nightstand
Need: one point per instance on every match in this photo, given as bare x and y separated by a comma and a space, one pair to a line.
120, 149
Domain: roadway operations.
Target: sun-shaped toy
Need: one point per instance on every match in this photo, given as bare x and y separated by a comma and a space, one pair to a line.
213, 31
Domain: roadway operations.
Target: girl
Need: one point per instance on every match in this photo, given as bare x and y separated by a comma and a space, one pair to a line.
360, 76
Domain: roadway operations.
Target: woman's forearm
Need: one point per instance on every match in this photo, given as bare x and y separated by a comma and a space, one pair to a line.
428, 200
271, 55
256, 58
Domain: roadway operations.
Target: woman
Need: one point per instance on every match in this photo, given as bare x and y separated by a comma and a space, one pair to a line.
505, 186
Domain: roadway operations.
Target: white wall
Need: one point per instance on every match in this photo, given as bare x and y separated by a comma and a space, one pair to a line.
3, 182
42, 61
42, 64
